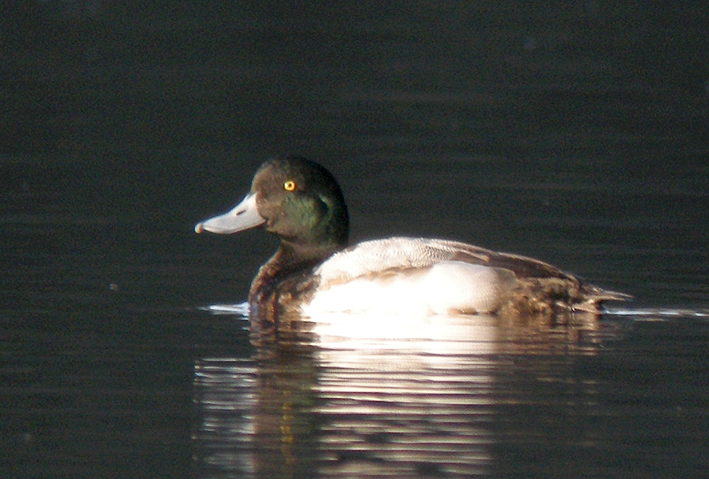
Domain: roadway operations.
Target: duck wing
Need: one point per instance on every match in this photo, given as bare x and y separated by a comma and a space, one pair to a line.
399, 253
537, 281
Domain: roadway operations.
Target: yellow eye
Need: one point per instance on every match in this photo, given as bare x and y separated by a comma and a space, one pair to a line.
289, 185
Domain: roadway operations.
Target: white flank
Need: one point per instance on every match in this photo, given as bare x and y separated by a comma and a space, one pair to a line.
443, 288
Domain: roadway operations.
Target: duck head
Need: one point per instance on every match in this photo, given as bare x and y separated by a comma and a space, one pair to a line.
295, 199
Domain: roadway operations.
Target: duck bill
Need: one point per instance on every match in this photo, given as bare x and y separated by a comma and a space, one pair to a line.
243, 216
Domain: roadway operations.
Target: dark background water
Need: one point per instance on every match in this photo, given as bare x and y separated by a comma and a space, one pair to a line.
576, 132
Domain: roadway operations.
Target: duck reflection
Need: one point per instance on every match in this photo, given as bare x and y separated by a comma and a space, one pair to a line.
351, 396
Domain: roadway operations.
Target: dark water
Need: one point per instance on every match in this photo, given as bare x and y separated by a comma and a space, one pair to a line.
575, 132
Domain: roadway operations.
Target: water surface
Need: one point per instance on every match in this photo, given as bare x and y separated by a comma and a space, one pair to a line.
574, 135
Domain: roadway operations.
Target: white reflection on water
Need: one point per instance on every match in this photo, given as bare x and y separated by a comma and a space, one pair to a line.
396, 396
362, 396
405, 400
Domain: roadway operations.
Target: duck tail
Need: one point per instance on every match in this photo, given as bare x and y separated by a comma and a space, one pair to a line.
594, 296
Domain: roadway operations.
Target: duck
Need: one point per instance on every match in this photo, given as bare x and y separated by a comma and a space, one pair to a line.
316, 271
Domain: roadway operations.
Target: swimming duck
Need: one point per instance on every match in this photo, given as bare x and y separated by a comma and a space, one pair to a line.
315, 271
